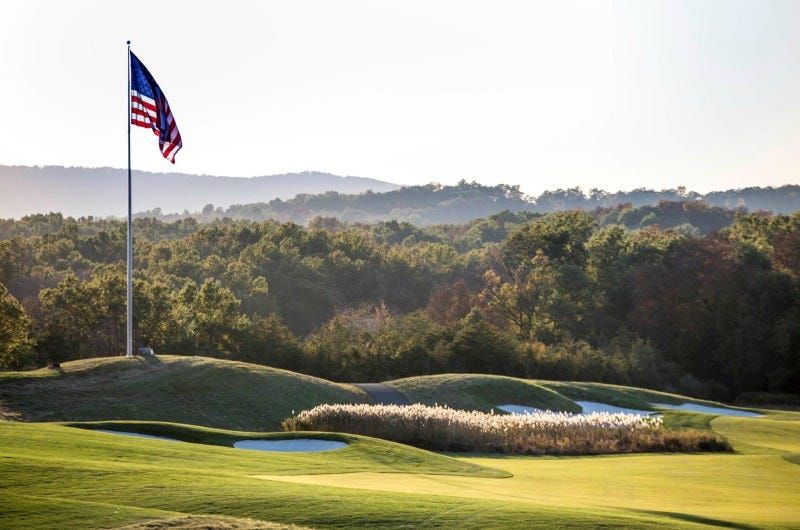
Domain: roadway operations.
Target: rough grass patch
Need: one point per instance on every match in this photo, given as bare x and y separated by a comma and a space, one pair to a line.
441, 428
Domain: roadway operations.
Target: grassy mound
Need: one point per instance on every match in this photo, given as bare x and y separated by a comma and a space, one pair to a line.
481, 392
619, 395
485, 392
362, 452
193, 390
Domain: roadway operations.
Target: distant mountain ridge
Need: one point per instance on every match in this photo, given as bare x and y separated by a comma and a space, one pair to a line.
78, 191
433, 204
300, 197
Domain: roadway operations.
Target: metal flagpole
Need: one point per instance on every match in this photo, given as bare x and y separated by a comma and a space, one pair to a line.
129, 344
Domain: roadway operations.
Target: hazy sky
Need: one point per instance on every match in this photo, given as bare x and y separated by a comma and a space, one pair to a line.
614, 95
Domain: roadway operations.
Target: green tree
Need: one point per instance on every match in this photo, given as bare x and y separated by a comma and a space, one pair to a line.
270, 342
481, 348
16, 345
210, 318
526, 299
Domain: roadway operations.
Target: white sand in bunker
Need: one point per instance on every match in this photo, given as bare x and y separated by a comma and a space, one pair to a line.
136, 434
589, 407
296, 445
721, 411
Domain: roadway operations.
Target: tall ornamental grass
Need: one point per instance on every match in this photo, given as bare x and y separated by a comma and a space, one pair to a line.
542, 433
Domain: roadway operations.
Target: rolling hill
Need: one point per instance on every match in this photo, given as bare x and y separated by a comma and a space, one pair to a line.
54, 475
235, 395
79, 191
197, 390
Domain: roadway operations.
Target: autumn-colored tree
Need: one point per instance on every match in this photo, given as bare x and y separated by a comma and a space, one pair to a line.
450, 303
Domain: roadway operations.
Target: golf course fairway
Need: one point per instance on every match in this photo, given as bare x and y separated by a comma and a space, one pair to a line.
57, 470
54, 475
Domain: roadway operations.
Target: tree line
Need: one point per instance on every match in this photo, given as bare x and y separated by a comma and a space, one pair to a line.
433, 204
712, 311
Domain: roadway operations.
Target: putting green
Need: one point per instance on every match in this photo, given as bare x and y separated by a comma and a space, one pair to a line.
752, 489
755, 486
53, 476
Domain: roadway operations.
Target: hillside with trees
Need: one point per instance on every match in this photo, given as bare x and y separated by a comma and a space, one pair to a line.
701, 308
433, 204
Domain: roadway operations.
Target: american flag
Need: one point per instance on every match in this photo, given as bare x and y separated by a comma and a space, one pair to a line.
149, 109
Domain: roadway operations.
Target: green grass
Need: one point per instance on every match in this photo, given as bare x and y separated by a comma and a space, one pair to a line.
57, 476
54, 476
757, 487
484, 392
480, 392
193, 390
619, 395
362, 453
189, 522
678, 419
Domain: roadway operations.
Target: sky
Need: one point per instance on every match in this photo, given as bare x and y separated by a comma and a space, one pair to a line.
547, 95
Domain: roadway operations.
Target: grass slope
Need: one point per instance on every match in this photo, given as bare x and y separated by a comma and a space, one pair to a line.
480, 392
54, 476
757, 487
621, 396
190, 522
362, 453
484, 392
193, 390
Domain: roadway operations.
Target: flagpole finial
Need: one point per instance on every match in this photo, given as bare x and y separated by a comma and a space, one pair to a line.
129, 43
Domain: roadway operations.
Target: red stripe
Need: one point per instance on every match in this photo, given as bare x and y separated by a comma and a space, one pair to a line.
146, 125
140, 112
140, 123
141, 118
137, 99
143, 111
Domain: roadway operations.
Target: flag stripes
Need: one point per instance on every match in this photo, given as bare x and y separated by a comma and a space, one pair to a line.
149, 109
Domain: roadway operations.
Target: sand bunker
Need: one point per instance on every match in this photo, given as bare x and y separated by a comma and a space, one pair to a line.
136, 434
296, 445
691, 407
594, 406
588, 408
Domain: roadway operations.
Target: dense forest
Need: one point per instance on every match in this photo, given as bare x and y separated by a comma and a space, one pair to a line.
680, 296
433, 204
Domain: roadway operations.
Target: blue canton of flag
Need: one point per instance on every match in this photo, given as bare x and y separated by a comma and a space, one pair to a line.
149, 109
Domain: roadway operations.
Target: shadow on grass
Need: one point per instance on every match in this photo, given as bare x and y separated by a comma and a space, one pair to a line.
699, 519
149, 359
793, 458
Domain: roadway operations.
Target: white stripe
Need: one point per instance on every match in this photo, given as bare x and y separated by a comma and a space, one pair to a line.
141, 107
143, 97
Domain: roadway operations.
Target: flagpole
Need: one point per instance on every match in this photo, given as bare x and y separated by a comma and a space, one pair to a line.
129, 334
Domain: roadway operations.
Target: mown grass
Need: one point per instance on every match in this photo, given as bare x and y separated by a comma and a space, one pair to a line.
193, 390
711, 490
54, 476
758, 486
622, 396
190, 522
619, 395
480, 392
486, 392
362, 452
